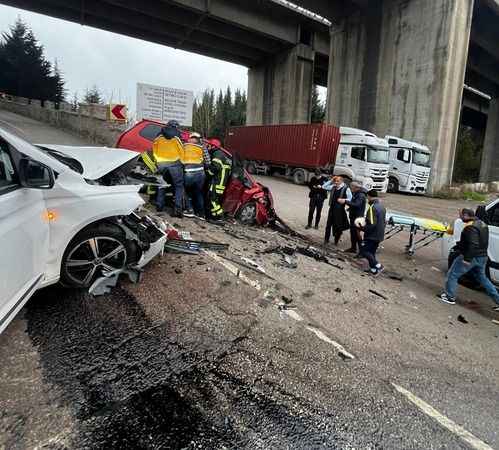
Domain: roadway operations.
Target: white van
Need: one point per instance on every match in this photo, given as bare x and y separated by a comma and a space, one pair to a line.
363, 157
67, 213
410, 166
490, 215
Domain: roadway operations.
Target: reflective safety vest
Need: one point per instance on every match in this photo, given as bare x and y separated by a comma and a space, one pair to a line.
221, 176
167, 150
193, 154
149, 161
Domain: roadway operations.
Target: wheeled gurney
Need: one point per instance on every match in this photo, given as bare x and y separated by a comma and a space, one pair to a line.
422, 232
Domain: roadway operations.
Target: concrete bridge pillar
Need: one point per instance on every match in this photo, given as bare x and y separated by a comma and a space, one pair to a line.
280, 91
489, 170
398, 68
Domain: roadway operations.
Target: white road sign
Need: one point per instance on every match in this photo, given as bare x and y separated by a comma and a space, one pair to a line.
164, 104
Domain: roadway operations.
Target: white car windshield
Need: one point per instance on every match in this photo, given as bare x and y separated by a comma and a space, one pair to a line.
378, 155
421, 158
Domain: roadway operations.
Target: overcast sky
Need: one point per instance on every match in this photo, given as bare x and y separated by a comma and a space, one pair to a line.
116, 63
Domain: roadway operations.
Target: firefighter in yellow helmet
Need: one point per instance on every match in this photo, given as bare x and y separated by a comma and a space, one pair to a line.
220, 169
195, 160
168, 149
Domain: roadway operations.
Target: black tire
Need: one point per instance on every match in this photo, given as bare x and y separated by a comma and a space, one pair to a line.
87, 255
247, 214
299, 176
393, 185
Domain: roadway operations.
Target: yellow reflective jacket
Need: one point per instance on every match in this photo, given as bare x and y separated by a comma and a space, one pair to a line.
193, 154
167, 150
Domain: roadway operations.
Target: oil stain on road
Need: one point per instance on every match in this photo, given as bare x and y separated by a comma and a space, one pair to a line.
134, 383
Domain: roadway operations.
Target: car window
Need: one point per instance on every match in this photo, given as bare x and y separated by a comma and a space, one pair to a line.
358, 153
150, 132
8, 176
403, 155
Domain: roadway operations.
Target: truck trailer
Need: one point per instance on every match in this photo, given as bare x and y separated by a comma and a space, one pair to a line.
296, 151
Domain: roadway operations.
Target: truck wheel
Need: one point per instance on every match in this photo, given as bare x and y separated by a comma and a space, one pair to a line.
251, 168
393, 185
95, 250
247, 214
299, 176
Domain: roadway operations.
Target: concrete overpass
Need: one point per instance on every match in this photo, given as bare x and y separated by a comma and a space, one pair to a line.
255, 34
391, 66
399, 66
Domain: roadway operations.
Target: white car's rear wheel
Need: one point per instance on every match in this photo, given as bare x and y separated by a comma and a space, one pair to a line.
91, 254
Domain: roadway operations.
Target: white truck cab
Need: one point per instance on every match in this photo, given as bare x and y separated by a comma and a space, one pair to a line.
490, 215
364, 157
410, 166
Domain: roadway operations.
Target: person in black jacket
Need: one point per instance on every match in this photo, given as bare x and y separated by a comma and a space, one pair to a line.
317, 195
357, 208
337, 220
374, 231
472, 248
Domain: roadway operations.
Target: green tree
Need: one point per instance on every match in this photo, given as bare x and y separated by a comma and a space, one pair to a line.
24, 70
239, 109
203, 117
93, 96
59, 91
219, 127
318, 107
468, 153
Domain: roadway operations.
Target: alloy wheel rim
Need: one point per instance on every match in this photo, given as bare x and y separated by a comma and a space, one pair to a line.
248, 213
97, 255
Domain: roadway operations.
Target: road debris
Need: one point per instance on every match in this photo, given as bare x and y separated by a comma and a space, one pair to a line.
495, 321
372, 291
248, 264
462, 319
193, 247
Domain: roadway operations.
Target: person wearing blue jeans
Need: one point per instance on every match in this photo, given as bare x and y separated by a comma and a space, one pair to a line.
175, 173
194, 187
472, 259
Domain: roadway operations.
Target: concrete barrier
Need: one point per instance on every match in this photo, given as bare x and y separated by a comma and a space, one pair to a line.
96, 130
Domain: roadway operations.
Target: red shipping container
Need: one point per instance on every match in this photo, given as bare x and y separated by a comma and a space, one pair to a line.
309, 146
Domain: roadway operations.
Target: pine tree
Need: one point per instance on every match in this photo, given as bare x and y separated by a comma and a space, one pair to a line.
24, 70
228, 111
318, 107
59, 93
203, 115
219, 129
74, 102
93, 96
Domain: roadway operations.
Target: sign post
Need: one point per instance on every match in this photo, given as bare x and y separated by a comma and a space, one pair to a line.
163, 104
117, 112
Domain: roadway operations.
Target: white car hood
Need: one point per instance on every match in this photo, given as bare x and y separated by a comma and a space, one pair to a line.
96, 161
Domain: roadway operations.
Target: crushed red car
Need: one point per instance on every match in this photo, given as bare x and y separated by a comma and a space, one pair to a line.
244, 198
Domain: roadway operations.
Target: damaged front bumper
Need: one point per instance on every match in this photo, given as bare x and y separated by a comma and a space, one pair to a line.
146, 237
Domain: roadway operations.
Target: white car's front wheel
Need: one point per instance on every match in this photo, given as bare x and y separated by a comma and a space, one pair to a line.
93, 252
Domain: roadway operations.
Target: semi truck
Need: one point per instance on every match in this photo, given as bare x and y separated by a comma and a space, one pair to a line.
296, 151
410, 166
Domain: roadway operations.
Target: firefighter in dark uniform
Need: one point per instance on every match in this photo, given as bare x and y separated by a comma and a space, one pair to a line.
219, 171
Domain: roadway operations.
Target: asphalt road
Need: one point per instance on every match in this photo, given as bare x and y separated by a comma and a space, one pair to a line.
320, 356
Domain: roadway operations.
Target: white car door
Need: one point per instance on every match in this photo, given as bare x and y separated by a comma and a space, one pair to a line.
493, 214
24, 233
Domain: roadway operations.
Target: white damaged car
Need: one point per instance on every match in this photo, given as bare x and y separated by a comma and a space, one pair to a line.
67, 214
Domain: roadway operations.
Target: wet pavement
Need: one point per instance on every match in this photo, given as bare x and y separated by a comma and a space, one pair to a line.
196, 357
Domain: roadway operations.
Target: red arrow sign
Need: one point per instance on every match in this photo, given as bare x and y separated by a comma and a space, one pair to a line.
117, 112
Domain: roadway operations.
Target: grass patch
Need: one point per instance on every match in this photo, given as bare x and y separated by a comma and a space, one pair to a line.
474, 196
456, 194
